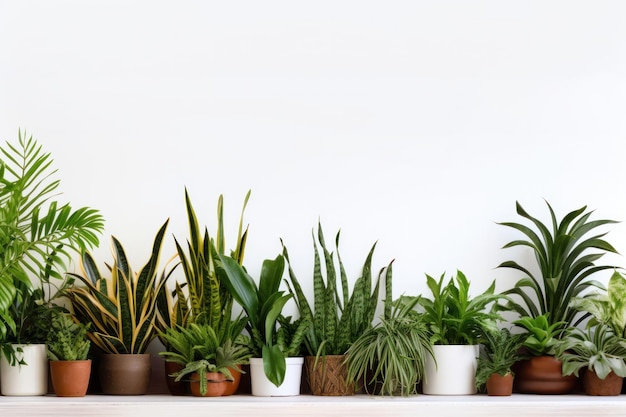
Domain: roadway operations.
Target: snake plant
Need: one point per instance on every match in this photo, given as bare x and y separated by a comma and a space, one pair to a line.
121, 308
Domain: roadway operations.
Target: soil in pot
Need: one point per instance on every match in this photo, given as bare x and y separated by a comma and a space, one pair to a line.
70, 378
542, 375
611, 385
500, 385
216, 384
328, 376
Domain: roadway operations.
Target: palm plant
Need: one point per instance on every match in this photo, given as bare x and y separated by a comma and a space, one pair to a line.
566, 260
499, 353
38, 235
122, 308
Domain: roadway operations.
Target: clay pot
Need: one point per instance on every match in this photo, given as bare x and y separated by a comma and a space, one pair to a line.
232, 386
611, 385
125, 374
499, 385
329, 376
70, 378
216, 384
173, 386
542, 375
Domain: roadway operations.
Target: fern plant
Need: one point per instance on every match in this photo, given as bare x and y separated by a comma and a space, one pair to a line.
338, 317
499, 353
67, 340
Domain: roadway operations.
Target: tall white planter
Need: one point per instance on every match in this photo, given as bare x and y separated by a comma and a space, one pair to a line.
263, 387
29, 379
452, 371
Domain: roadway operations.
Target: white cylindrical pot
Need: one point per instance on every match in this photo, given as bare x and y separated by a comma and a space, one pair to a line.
263, 387
29, 379
452, 371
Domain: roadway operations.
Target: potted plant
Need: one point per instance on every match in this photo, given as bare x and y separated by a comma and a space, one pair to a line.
600, 352
202, 297
209, 358
275, 367
456, 322
500, 351
338, 318
122, 310
68, 347
38, 236
542, 371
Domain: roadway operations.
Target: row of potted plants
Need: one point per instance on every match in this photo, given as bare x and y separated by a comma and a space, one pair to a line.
413, 346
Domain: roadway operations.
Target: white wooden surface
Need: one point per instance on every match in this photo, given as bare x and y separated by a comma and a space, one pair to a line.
422, 405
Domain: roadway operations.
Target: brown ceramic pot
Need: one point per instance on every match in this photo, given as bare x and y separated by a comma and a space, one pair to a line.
232, 386
125, 374
216, 384
175, 387
499, 385
542, 375
70, 378
611, 385
328, 376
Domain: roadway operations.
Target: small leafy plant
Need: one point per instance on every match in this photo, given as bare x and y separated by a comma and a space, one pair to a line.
67, 340
499, 353
542, 334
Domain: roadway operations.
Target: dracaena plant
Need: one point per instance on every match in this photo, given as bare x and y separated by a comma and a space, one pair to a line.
566, 251
263, 305
453, 316
121, 308
202, 297
338, 317
38, 235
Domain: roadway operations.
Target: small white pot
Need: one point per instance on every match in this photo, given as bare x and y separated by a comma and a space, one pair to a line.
29, 379
263, 387
452, 371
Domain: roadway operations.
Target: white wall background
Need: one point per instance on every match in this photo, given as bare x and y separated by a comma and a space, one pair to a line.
414, 123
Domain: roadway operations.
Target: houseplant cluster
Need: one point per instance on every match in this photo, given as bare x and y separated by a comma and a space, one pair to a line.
570, 331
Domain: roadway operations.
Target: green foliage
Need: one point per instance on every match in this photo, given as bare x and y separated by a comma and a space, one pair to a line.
597, 348
199, 348
263, 306
205, 300
499, 353
455, 318
390, 357
566, 260
608, 308
338, 318
67, 340
542, 334
38, 235
122, 308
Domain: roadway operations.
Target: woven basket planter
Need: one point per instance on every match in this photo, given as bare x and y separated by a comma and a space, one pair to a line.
328, 376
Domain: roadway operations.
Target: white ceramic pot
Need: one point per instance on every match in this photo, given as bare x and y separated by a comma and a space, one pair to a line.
262, 387
452, 371
29, 379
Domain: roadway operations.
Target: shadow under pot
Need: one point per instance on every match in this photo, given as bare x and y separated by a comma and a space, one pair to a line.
124, 374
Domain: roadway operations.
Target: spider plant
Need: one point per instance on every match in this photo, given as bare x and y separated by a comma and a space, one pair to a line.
565, 254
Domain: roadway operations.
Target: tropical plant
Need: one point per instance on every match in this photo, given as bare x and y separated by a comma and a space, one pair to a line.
263, 305
38, 235
122, 308
454, 317
201, 298
542, 334
499, 353
607, 308
565, 257
67, 340
199, 348
338, 318
597, 348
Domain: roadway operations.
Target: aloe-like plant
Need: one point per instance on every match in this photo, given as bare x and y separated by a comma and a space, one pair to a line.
338, 317
453, 316
565, 254
67, 340
263, 305
122, 308
38, 235
542, 335
501, 350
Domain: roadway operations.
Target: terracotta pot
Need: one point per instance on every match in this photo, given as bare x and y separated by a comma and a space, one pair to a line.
500, 385
175, 388
216, 384
232, 386
329, 376
125, 374
70, 378
611, 385
542, 375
